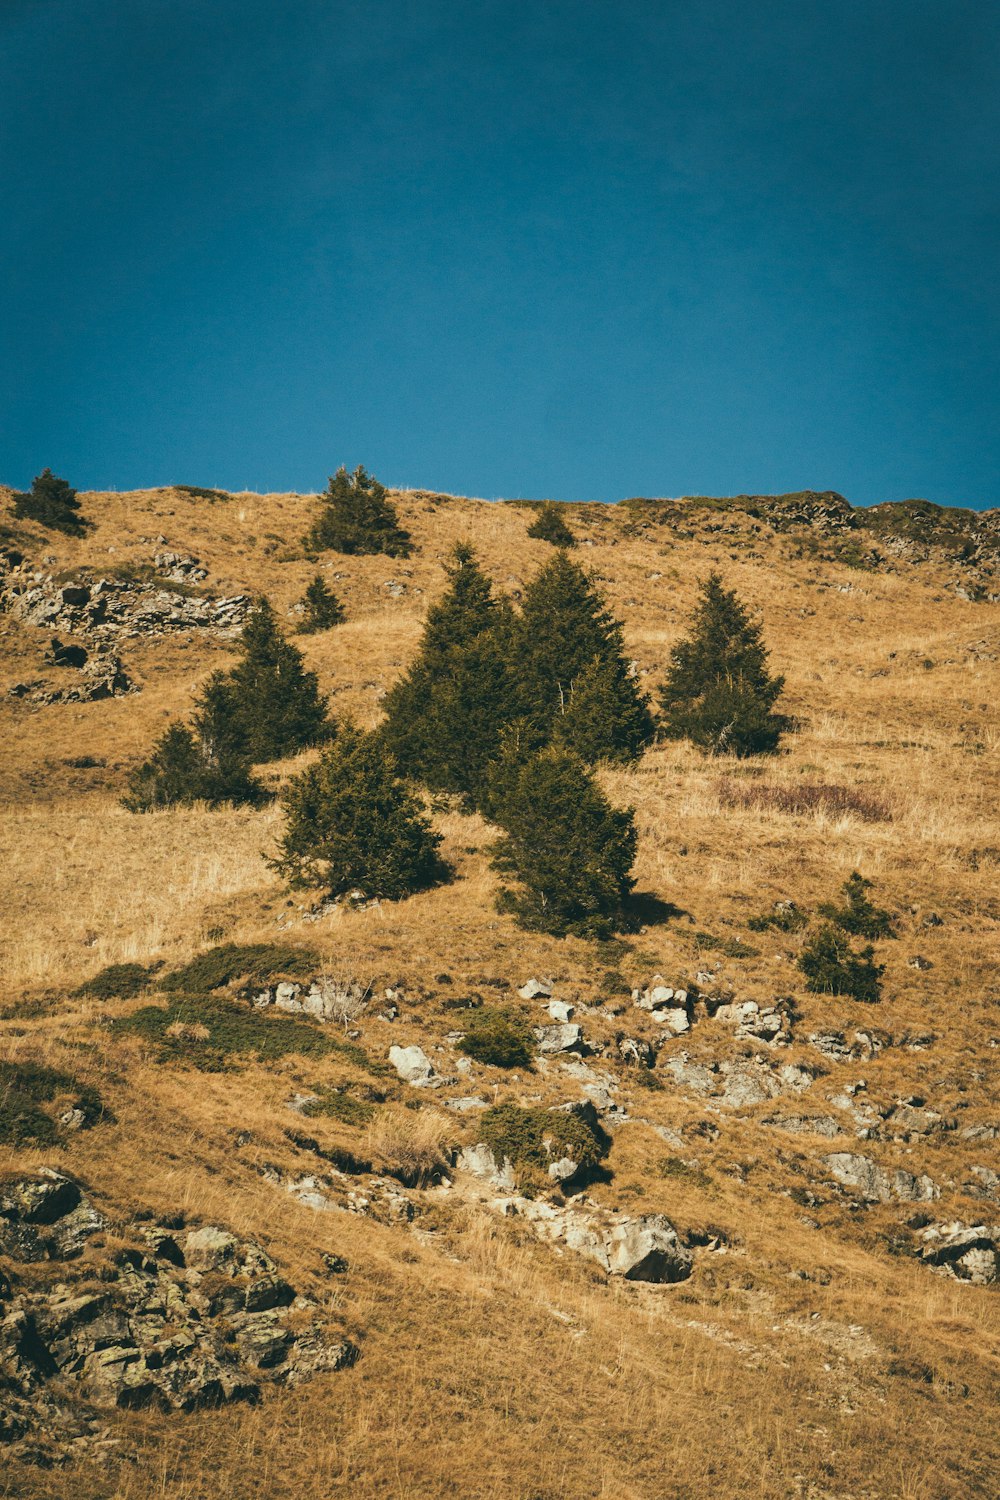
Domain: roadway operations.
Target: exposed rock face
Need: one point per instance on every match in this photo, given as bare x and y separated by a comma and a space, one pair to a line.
324, 999
552, 1040
645, 1248
181, 569
752, 1021
967, 1252
180, 1319
536, 989
667, 1006
738, 1082
875, 1184
102, 675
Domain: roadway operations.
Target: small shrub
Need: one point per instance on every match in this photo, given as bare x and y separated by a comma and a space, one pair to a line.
549, 526
679, 1170
25, 1087
535, 1137
210, 1032
181, 771
118, 982
321, 608
785, 917
832, 967
51, 502
339, 1104
256, 963
858, 915
416, 1149
500, 1039
199, 492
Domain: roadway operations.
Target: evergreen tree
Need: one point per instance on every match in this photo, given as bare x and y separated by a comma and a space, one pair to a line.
832, 967
358, 518
859, 915
445, 716
718, 691
181, 770
566, 641
569, 850
268, 706
51, 502
322, 608
352, 824
549, 526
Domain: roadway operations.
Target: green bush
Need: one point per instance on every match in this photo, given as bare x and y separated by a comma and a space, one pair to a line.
832, 967
118, 982
25, 1087
535, 1137
549, 526
499, 1039
209, 1033
181, 771
352, 824
785, 917
338, 1104
718, 691
321, 608
569, 850
51, 502
254, 963
357, 518
858, 915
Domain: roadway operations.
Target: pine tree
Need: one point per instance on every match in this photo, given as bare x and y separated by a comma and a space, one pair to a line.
832, 967
445, 716
268, 706
549, 526
566, 641
358, 518
51, 502
352, 824
322, 609
569, 850
181, 770
718, 691
859, 915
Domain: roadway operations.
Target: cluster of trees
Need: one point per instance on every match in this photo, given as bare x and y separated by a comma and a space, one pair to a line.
51, 502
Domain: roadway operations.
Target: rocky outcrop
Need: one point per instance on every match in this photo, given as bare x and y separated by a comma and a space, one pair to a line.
737, 1082
966, 1252
877, 1185
557, 1039
644, 1248
180, 1317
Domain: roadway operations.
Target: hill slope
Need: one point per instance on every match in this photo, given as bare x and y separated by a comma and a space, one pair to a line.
816, 1157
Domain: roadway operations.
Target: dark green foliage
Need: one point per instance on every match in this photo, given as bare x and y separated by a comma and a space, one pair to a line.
785, 917
322, 608
338, 1104
566, 643
254, 963
536, 1137
268, 706
718, 692
208, 1031
832, 967
569, 850
549, 526
352, 824
25, 1087
118, 982
51, 502
358, 518
182, 770
678, 1169
858, 915
445, 716
500, 1039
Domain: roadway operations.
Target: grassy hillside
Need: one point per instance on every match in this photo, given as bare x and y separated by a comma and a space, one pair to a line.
811, 1353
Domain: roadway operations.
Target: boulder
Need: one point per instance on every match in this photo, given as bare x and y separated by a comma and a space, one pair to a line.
413, 1066
560, 1011
536, 989
647, 1249
634, 1052
967, 1252
556, 1039
875, 1183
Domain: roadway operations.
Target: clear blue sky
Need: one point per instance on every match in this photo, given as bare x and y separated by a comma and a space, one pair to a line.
586, 249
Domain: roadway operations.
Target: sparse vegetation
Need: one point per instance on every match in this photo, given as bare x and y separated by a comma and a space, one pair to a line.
537, 1137
212, 1033
119, 981
25, 1087
807, 797
251, 963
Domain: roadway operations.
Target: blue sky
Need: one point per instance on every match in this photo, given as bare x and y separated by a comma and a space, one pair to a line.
579, 249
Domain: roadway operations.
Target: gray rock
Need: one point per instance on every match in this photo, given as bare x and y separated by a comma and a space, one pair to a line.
967, 1252
481, 1162
561, 1011
413, 1066
647, 1249
635, 1052
536, 989
876, 1184
553, 1040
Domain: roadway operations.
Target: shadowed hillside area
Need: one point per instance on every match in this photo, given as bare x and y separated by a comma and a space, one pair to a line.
310, 1189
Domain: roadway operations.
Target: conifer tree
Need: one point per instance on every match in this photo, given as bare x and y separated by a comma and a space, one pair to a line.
569, 850
322, 609
718, 691
51, 502
549, 526
357, 518
352, 824
445, 716
269, 705
859, 915
566, 641
181, 770
832, 967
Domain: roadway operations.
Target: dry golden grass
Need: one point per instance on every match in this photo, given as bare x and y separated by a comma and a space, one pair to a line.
801, 1359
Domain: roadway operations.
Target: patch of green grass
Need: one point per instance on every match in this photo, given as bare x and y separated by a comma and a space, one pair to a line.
211, 1033
682, 1171
731, 947
339, 1104
118, 982
500, 1039
536, 1137
256, 963
784, 918
199, 492
25, 1087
